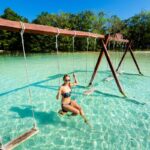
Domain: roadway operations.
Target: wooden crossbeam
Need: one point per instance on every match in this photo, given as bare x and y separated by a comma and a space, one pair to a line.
117, 37
118, 40
15, 142
43, 29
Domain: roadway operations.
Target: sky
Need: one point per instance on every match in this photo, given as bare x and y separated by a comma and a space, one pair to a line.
32, 8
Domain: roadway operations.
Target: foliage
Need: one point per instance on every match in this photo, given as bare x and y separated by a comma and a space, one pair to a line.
136, 28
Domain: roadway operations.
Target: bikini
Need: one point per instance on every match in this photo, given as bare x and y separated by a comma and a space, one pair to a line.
66, 95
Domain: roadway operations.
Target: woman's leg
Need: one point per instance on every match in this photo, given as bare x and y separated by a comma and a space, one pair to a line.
72, 109
75, 105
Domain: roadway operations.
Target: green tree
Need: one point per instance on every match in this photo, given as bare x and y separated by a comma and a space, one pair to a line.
10, 40
115, 24
138, 29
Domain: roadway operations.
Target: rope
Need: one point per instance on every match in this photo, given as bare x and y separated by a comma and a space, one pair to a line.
27, 74
116, 54
73, 48
1, 144
87, 49
109, 45
123, 63
56, 46
95, 43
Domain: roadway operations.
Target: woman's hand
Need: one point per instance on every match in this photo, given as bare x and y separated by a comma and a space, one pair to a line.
74, 75
75, 80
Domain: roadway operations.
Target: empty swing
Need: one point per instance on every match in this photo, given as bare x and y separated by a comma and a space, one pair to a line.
91, 88
57, 53
115, 46
22, 138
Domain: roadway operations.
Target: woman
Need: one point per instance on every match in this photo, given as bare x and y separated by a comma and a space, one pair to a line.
66, 103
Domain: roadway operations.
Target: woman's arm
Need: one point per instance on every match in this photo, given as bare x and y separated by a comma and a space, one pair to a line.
58, 94
75, 80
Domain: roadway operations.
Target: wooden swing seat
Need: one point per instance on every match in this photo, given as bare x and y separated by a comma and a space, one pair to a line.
17, 141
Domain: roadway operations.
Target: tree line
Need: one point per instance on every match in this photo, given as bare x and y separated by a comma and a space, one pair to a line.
136, 28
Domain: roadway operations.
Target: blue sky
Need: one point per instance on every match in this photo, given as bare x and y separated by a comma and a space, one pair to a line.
32, 8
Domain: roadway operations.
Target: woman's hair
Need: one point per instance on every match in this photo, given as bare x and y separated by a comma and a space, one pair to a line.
66, 75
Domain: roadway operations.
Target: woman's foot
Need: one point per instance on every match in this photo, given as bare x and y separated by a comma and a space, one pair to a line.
61, 112
73, 114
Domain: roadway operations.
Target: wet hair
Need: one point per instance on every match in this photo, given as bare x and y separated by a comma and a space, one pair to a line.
66, 75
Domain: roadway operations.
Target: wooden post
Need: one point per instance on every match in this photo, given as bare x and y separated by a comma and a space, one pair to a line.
98, 61
96, 67
112, 69
136, 64
127, 47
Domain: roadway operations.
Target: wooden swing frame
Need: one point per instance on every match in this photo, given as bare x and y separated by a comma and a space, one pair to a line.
108, 38
103, 40
16, 26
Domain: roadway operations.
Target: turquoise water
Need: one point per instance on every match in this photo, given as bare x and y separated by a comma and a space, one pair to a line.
117, 122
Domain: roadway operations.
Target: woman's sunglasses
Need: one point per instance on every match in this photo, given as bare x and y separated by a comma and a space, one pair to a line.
67, 80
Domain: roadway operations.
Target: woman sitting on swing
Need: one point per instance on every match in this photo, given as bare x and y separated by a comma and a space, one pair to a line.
67, 104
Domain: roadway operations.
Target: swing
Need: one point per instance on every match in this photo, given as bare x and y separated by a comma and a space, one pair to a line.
116, 47
49, 30
91, 89
121, 71
17, 141
61, 112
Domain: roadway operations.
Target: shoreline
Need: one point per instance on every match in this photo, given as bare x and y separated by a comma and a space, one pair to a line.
3, 52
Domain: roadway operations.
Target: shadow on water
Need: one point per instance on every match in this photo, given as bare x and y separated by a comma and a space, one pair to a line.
135, 74
37, 84
32, 84
123, 98
43, 118
98, 93
55, 88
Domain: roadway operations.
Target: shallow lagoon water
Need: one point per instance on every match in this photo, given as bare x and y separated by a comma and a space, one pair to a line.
117, 122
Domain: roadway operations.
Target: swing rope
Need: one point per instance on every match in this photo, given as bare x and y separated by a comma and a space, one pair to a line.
95, 43
56, 43
27, 74
1, 143
122, 51
57, 52
73, 49
87, 49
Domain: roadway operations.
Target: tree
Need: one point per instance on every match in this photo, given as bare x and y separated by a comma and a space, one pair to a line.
10, 40
115, 24
138, 29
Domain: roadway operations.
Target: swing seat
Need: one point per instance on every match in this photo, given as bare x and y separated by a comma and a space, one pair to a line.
61, 112
120, 72
110, 78
89, 92
15, 142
